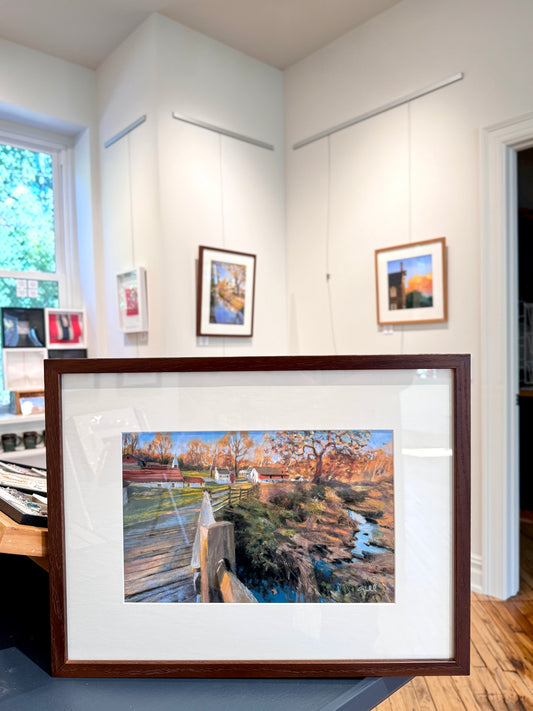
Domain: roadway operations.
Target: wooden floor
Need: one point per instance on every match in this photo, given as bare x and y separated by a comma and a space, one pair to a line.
501, 677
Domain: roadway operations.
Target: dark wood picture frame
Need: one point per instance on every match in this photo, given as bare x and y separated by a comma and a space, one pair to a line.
207, 323
457, 369
400, 303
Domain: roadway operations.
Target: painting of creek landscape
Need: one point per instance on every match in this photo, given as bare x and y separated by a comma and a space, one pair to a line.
289, 516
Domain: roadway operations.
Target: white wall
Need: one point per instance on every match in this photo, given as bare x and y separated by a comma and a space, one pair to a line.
169, 187
408, 175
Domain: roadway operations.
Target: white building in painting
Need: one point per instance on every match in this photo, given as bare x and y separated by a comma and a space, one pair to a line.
224, 476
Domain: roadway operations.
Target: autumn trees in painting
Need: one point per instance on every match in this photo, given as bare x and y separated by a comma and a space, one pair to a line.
304, 454
317, 524
228, 282
309, 448
157, 449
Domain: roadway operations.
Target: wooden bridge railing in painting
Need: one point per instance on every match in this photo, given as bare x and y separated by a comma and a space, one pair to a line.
214, 555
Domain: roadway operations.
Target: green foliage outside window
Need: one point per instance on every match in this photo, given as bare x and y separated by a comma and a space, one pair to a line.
27, 237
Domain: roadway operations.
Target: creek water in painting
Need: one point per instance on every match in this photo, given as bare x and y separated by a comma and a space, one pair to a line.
227, 293
258, 516
410, 282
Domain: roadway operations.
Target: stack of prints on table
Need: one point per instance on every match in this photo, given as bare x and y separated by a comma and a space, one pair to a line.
23, 494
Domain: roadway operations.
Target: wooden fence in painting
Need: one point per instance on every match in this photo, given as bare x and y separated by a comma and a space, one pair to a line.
220, 498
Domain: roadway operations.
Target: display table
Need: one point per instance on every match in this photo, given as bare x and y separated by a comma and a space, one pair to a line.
24, 540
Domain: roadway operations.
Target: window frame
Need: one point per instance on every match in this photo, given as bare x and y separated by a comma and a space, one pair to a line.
66, 274
60, 147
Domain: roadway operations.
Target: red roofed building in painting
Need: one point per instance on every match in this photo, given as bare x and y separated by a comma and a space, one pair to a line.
137, 471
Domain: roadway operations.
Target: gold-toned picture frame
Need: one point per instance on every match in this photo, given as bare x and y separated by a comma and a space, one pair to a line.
411, 283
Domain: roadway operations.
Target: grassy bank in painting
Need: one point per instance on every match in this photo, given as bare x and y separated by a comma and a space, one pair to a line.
296, 542
312, 512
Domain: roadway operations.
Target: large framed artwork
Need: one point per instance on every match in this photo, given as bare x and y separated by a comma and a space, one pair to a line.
226, 291
411, 283
259, 517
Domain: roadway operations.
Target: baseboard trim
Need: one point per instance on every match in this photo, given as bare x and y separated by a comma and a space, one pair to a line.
476, 573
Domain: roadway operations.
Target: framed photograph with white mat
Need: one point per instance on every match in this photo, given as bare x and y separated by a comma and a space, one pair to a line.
411, 283
226, 293
65, 328
132, 301
259, 517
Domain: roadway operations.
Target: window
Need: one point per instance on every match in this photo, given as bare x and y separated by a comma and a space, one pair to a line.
32, 214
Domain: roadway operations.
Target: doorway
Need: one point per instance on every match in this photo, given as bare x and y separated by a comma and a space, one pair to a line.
525, 399
499, 362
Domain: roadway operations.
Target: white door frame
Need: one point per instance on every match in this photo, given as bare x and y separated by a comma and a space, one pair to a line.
500, 353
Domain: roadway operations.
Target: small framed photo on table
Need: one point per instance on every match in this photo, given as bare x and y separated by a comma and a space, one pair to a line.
132, 301
65, 328
411, 283
23, 328
226, 290
27, 402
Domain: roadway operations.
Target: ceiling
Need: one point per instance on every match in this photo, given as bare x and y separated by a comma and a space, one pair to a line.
277, 32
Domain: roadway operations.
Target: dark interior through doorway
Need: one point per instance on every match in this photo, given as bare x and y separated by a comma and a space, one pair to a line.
525, 296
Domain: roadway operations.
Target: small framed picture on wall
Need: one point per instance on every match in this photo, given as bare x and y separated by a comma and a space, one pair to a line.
411, 283
132, 301
65, 328
226, 290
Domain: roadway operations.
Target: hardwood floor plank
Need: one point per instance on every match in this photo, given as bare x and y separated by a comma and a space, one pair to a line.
483, 703
516, 641
523, 686
423, 695
475, 659
464, 690
489, 630
488, 682
444, 694
515, 610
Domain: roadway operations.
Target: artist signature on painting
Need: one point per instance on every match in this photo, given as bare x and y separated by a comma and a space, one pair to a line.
363, 589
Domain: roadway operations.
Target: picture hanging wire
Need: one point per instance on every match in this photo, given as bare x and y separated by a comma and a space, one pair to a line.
125, 131
223, 222
328, 232
380, 110
223, 131
131, 205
